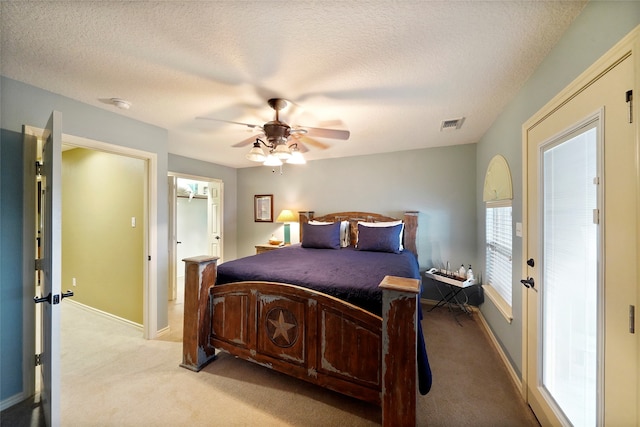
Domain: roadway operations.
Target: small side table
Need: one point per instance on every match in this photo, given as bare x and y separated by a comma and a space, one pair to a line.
266, 248
454, 286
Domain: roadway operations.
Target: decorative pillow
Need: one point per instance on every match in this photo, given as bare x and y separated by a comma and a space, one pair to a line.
321, 236
379, 239
344, 231
386, 224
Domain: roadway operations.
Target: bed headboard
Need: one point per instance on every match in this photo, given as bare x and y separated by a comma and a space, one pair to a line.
410, 224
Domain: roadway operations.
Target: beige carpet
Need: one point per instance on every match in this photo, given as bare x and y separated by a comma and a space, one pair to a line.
112, 377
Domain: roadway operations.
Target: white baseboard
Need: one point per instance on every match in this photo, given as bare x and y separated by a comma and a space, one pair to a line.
13, 400
162, 332
505, 360
104, 314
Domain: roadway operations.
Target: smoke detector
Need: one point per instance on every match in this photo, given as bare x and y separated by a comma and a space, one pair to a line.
452, 124
121, 103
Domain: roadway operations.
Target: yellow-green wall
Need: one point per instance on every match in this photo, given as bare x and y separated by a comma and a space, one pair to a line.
101, 193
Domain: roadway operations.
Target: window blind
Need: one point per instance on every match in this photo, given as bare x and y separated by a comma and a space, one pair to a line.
499, 248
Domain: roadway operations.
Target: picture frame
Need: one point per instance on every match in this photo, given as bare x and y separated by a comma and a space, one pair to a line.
263, 208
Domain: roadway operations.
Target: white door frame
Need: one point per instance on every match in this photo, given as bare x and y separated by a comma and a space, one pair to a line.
150, 286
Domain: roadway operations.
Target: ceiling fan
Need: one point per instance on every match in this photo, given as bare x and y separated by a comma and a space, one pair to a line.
281, 138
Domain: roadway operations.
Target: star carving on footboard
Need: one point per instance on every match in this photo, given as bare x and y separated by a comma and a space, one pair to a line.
282, 328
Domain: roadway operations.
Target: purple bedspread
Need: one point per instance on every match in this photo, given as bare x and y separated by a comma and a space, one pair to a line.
346, 273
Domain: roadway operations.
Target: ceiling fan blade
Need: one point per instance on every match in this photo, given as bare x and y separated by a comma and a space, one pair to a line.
314, 143
334, 122
295, 139
303, 148
247, 141
249, 125
327, 133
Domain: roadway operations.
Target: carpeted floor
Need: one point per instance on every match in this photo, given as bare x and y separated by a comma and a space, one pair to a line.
112, 377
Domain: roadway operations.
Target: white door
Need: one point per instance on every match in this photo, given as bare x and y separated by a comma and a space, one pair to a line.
51, 267
581, 354
214, 221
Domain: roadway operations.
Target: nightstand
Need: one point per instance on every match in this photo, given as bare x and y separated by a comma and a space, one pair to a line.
266, 248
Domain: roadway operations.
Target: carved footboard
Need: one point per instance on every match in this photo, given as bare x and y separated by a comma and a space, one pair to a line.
308, 335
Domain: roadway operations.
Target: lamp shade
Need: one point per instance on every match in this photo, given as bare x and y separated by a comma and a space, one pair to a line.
256, 154
272, 161
296, 158
282, 152
286, 216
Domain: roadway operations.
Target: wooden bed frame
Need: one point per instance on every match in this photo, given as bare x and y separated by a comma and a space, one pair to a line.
310, 335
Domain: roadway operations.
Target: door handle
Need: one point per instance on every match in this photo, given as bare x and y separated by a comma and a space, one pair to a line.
53, 299
528, 282
38, 300
217, 237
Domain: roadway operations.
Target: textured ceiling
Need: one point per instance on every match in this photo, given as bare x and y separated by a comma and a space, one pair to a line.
388, 71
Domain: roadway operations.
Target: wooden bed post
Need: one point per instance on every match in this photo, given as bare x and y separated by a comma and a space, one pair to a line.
399, 345
411, 232
200, 276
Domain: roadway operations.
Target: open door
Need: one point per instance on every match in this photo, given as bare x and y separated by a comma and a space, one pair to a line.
581, 252
214, 221
50, 266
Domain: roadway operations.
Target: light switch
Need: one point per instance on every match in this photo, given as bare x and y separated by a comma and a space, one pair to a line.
519, 229
133, 221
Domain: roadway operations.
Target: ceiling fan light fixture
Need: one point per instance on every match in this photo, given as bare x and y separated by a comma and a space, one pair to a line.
272, 161
296, 158
256, 154
282, 152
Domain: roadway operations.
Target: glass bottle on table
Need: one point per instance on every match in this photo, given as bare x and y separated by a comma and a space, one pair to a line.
462, 273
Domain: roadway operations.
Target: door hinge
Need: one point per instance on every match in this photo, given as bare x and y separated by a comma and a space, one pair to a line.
38, 359
632, 319
629, 99
38, 264
596, 216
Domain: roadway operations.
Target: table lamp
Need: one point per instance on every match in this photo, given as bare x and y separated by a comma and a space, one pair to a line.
286, 216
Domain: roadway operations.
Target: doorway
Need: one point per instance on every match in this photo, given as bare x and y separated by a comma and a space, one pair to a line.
580, 251
195, 218
145, 222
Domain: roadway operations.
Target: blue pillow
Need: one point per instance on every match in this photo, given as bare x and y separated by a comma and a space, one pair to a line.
321, 236
379, 239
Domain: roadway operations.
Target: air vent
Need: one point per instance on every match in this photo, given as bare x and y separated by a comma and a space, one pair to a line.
452, 124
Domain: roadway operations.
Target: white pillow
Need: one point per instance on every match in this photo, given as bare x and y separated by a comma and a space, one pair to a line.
344, 230
386, 224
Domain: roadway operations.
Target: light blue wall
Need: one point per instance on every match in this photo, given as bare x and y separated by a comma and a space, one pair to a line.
437, 182
600, 25
27, 105
10, 263
23, 104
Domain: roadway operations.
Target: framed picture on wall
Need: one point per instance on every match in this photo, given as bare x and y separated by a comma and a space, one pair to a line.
263, 208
